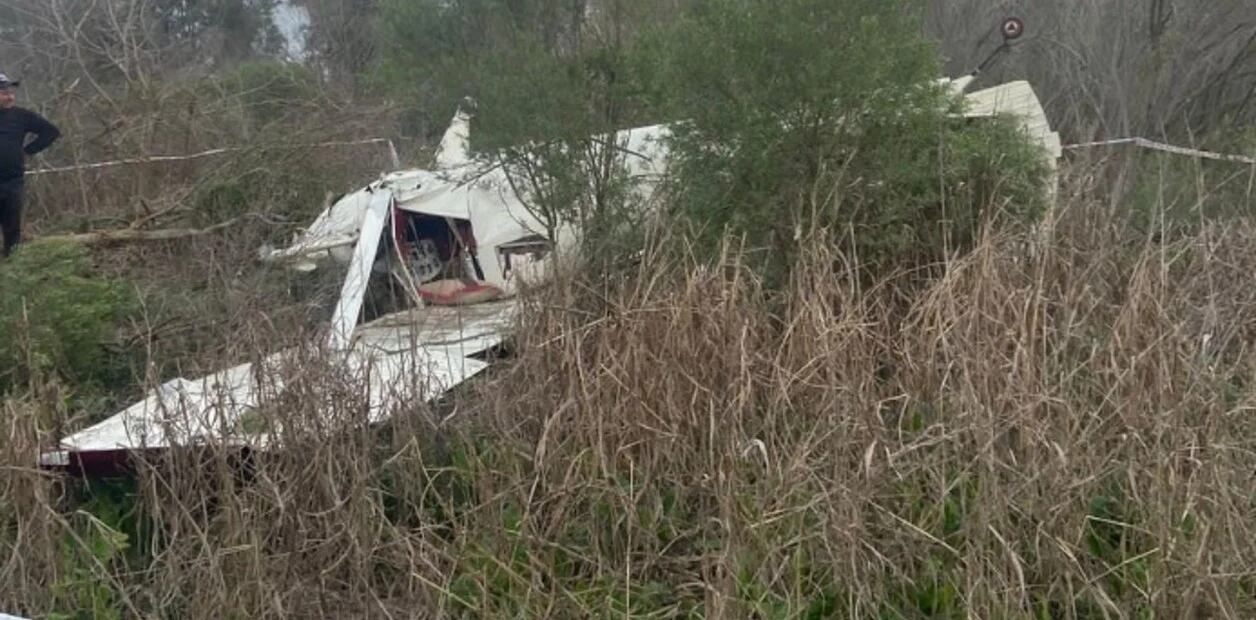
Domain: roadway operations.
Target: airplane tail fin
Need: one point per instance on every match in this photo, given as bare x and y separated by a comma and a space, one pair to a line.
454, 149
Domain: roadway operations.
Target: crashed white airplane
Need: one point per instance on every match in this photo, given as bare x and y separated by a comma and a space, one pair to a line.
459, 240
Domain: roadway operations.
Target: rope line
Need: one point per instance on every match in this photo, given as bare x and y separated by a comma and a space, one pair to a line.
1166, 148
392, 153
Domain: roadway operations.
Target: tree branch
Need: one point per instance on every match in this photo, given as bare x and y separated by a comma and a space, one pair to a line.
131, 235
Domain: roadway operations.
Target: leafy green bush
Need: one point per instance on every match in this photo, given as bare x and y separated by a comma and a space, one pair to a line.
821, 113
107, 534
57, 314
88, 554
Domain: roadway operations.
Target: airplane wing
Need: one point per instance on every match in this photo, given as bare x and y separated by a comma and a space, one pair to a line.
415, 355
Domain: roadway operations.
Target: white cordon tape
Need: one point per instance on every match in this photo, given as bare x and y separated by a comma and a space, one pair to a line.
1166, 148
396, 160
392, 154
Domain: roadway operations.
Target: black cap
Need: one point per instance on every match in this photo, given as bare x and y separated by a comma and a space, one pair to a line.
5, 82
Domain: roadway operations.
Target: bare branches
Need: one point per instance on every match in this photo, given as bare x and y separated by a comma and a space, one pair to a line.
1120, 67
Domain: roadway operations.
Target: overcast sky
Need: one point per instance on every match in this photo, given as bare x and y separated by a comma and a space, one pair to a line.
292, 22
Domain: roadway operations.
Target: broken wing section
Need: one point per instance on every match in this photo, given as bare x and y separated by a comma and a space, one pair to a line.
396, 360
179, 412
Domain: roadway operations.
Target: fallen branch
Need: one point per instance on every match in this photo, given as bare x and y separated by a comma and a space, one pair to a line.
130, 235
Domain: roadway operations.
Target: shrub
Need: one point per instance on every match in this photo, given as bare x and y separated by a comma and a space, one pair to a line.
804, 113
56, 315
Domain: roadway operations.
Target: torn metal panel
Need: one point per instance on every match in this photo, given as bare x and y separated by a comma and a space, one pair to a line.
179, 412
353, 292
337, 227
400, 358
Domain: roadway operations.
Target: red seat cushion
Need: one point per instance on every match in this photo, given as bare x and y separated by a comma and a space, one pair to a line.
458, 292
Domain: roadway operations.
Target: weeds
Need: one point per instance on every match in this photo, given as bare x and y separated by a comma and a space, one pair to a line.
58, 319
1056, 435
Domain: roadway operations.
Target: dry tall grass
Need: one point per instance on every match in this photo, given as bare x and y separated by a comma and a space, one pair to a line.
1062, 435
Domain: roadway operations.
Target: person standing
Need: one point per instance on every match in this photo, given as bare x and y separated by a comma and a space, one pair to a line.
15, 124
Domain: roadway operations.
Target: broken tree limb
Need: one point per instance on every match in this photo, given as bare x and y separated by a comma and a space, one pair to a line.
131, 235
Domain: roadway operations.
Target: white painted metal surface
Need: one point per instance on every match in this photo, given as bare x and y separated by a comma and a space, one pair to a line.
1017, 99
411, 356
353, 292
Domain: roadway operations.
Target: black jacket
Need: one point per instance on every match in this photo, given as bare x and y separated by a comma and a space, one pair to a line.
15, 124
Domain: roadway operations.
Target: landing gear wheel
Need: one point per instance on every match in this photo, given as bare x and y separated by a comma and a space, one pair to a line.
1012, 29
